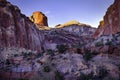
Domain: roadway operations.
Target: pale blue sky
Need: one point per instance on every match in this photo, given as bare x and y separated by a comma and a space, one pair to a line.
60, 11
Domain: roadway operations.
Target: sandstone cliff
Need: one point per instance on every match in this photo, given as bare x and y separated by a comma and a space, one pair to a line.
111, 20
39, 19
16, 30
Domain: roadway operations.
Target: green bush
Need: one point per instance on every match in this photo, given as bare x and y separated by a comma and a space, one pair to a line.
46, 69
86, 77
108, 43
102, 72
39, 55
7, 62
50, 52
98, 44
27, 55
87, 55
58, 76
75, 45
61, 48
15, 55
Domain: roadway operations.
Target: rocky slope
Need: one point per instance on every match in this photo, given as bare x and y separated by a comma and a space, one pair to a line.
53, 65
77, 28
107, 44
111, 20
70, 33
16, 30
39, 19
55, 37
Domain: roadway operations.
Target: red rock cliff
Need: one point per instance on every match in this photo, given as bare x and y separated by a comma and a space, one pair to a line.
98, 32
111, 20
16, 30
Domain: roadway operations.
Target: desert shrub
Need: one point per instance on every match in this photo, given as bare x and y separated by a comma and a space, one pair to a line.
58, 76
7, 68
61, 48
26, 55
15, 55
87, 55
46, 69
86, 77
7, 62
102, 72
39, 55
79, 51
108, 43
98, 44
75, 45
50, 52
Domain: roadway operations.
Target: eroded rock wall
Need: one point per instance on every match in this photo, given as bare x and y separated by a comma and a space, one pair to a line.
16, 30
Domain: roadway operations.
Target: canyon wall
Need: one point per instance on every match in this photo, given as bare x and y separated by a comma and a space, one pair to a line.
16, 30
111, 21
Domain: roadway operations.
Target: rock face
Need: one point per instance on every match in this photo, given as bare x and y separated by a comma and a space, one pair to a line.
109, 44
107, 36
39, 19
77, 28
58, 36
99, 31
16, 30
111, 20
69, 33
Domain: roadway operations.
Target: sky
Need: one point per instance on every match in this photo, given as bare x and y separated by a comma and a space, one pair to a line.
61, 11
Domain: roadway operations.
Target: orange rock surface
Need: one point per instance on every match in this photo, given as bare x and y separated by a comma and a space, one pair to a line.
39, 18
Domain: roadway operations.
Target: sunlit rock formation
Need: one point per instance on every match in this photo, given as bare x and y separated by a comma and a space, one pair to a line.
39, 19
77, 28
